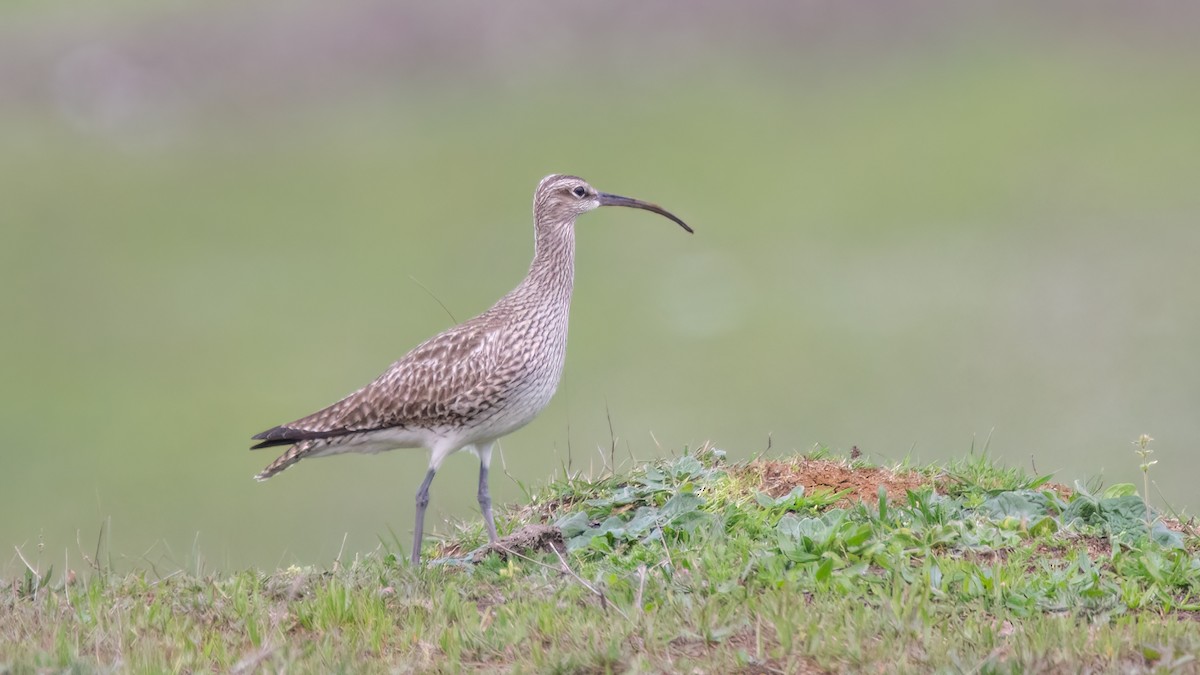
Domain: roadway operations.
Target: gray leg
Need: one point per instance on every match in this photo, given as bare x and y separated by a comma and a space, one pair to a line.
419, 528
485, 501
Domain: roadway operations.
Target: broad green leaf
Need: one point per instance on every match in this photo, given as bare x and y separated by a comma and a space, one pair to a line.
1045, 525
1120, 490
574, 524
1123, 514
1020, 504
687, 467
1163, 536
825, 570
682, 502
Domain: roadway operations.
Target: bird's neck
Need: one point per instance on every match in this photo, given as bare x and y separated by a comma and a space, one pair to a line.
553, 267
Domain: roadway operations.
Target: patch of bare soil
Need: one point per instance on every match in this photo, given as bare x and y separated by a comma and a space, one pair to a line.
1188, 528
986, 556
534, 537
777, 478
1063, 491
1097, 547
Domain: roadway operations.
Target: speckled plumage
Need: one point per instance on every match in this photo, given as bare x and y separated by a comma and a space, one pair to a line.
480, 380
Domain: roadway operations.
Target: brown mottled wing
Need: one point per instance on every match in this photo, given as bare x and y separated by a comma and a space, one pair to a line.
448, 378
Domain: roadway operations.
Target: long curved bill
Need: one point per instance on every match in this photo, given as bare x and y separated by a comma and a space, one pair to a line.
617, 200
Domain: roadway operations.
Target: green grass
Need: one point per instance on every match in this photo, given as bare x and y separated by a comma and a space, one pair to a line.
688, 564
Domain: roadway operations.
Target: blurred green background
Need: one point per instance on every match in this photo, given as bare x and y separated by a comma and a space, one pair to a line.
918, 225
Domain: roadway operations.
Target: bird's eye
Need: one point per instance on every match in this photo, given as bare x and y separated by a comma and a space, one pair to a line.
579, 191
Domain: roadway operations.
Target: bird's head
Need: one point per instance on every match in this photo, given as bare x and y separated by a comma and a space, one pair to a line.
561, 198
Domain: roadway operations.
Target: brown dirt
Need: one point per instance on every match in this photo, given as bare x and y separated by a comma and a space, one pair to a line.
778, 477
985, 556
1063, 491
1097, 547
532, 537
1188, 528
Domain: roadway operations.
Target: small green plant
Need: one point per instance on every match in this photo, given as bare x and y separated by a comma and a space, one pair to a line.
1143, 451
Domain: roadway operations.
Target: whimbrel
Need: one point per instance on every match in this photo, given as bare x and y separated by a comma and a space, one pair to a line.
466, 387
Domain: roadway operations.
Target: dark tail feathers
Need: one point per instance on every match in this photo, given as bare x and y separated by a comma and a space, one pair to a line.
289, 436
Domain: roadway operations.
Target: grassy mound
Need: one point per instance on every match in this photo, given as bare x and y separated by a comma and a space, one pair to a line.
690, 564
